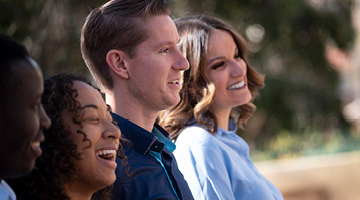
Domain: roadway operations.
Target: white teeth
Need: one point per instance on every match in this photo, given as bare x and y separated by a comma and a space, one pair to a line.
35, 145
174, 82
239, 85
105, 152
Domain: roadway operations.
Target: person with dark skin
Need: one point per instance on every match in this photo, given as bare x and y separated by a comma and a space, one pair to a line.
80, 148
22, 116
130, 47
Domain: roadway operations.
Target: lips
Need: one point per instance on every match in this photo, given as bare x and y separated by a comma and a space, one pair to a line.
237, 85
106, 154
35, 144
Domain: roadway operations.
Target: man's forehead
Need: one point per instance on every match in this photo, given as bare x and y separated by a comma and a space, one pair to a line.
160, 30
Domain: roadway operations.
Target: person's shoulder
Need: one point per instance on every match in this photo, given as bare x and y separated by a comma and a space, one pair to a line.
6, 191
195, 132
195, 135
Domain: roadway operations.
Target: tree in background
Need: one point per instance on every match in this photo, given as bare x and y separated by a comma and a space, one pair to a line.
49, 29
286, 41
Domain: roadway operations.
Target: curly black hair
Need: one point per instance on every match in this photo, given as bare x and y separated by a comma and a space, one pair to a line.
55, 167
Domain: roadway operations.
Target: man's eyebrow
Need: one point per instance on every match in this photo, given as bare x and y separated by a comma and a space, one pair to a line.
163, 44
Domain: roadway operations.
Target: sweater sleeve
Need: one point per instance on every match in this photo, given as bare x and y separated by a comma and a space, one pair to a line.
201, 160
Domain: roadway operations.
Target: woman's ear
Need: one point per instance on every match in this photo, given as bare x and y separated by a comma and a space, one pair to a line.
116, 61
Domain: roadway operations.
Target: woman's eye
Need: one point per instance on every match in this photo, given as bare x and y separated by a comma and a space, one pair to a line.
237, 56
92, 120
218, 65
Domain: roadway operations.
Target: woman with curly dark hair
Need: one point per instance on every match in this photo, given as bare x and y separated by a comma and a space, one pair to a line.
216, 98
80, 148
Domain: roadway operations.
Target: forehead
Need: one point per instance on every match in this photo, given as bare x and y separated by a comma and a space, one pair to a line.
87, 94
28, 87
220, 40
28, 76
160, 29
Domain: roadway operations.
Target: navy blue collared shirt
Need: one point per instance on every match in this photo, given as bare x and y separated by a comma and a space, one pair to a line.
155, 174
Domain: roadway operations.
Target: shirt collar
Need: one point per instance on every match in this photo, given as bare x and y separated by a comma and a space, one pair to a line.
140, 139
170, 146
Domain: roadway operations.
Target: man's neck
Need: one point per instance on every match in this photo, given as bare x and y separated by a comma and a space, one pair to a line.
129, 109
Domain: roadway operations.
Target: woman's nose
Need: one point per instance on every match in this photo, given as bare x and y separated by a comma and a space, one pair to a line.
111, 131
239, 68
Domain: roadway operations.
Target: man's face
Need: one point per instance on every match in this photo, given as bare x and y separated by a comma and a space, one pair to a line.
155, 71
22, 122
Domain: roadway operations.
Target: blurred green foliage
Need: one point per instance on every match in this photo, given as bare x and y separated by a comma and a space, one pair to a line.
300, 88
311, 142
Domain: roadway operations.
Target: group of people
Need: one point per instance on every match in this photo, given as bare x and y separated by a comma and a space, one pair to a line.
175, 92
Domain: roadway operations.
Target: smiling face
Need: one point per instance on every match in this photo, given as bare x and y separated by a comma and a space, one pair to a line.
155, 71
23, 121
227, 71
96, 169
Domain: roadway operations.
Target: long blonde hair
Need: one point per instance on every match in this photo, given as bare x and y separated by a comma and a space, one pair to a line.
197, 91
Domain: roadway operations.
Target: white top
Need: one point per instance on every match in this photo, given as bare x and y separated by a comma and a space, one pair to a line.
6, 193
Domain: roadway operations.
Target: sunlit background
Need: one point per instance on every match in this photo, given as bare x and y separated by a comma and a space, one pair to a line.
308, 50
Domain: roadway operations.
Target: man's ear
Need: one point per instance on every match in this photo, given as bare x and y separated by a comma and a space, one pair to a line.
116, 61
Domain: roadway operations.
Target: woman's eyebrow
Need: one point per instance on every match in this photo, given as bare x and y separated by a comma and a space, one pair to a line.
217, 58
90, 106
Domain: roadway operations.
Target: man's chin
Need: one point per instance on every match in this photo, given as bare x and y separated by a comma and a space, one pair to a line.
17, 173
173, 101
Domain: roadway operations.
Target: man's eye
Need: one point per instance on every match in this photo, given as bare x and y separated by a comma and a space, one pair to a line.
164, 50
37, 106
